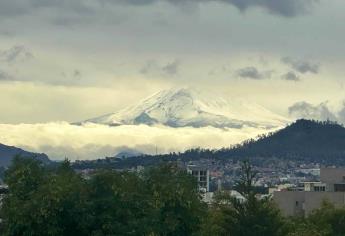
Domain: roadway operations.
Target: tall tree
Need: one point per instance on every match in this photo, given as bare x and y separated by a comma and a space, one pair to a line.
118, 204
175, 200
23, 178
324, 221
41, 202
251, 217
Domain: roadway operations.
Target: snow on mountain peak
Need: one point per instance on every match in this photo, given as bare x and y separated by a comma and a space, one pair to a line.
183, 107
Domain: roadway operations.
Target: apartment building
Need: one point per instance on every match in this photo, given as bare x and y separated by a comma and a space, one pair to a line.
202, 175
331, 188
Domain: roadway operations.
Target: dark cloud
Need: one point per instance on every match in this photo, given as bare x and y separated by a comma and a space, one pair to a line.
149, 67
6, 33
10, 8
76, 73
310, 111
4, 76
301, 66
287, 8
19, 7
153, 67
252, 72
291, 76
171, 68
15, 54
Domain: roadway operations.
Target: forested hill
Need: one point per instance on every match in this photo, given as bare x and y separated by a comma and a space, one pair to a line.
304, 139
7, 153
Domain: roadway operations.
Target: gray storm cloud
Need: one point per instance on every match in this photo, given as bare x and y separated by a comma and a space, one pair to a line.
15, 54
287, 8
152, 67
301, 66
252, 72
4, 76
171, 68
291, 76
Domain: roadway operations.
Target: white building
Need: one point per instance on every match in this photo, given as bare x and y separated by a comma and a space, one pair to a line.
202, 174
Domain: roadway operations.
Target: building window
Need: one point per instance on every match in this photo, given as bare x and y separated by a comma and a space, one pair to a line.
339, 188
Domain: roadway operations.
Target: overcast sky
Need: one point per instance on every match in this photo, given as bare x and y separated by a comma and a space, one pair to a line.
72, 60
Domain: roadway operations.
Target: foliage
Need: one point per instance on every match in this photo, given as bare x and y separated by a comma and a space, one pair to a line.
329, 218
161, 201
324, 221
118, 204
177, 209
41, 202
300, 226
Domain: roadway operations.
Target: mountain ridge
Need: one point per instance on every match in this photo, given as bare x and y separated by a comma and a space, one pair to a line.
7, 153
303, 140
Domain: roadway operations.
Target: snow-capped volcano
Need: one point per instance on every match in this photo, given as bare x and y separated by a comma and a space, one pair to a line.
187, 107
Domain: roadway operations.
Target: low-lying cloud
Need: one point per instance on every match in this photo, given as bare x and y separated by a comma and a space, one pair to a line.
60, 140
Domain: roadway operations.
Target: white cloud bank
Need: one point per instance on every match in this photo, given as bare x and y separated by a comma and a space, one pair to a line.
60, 139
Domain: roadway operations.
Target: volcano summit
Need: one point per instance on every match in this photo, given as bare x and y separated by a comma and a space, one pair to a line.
190, 108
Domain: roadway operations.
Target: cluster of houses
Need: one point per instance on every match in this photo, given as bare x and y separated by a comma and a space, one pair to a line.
292, 200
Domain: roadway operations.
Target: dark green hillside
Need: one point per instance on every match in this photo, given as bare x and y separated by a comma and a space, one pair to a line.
303, 139
7, 154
